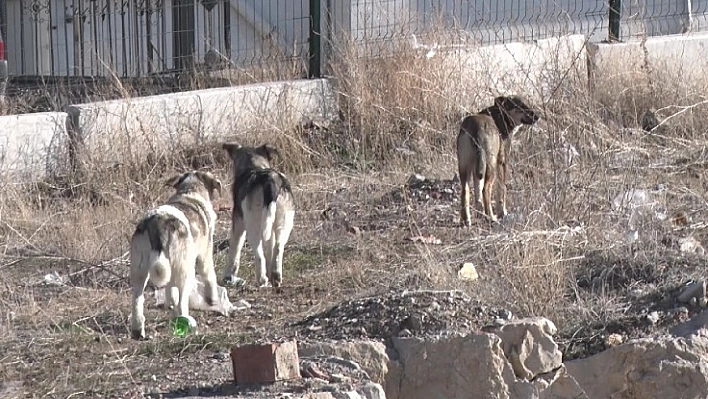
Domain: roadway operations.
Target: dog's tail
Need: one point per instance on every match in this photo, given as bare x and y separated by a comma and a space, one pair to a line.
160, 270
145, 260
481, 163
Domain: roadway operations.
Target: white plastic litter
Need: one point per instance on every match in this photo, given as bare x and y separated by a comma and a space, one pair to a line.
53, 278
196, 300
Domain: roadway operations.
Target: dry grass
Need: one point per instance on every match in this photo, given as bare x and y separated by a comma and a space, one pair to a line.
561, 254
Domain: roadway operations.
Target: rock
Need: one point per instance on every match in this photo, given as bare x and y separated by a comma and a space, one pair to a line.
467, 272
613, 340
697, 325
369, 355
311, 370
647, 368
695, 290
529, 346
471, 366
559, 385
371, 390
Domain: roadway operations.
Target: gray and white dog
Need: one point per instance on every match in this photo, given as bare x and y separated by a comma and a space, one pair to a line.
173, 242
263, 212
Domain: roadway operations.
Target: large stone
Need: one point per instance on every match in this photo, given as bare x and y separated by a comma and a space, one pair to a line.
370, 355
471, 366
529, 346
646, 369
558, 384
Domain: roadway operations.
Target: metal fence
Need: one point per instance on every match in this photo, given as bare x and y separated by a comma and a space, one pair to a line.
134, 38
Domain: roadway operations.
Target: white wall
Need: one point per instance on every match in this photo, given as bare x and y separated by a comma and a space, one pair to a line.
127, 130
32, 144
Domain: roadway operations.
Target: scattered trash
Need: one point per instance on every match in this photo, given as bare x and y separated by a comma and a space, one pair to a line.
653, 317
53, 278
632, 199
632, 236
570, 153
432, 240
182, 326
505, 314
467, 272
680, 219
197, 301
691, 245
694, 290
415, 178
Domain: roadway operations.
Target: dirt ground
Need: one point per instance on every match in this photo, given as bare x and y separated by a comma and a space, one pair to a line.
353, 269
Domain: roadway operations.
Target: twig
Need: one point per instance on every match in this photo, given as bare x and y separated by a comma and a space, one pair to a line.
681, 111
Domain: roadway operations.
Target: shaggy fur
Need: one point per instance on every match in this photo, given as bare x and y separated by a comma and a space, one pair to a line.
483, 144
263, 213
172, 243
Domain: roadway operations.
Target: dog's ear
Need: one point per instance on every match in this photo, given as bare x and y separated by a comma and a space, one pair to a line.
231, 147
210, 181
175, 180
268, 151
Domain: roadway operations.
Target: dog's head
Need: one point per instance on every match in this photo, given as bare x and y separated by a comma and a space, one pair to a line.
245, 158
517, 109
204, 183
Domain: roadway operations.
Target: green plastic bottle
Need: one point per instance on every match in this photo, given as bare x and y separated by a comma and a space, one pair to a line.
182, 326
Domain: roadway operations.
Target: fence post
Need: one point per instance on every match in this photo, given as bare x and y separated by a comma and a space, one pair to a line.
615, 14
315, 42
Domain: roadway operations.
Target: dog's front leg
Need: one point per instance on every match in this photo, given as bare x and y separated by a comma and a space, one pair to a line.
236, 242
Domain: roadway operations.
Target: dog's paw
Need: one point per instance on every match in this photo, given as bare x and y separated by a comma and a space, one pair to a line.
277, 279
263, 283
138, 335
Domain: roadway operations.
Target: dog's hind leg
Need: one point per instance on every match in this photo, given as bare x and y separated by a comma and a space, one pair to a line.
487, 194
236, 242
254, 234
465, 217
205, 268
138, 280
503, 189
281, 236
184, 279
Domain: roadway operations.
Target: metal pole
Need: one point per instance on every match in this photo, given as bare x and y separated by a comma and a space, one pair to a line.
615, 14
315, 42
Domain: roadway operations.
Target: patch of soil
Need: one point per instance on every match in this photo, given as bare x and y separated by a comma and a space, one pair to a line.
406, 313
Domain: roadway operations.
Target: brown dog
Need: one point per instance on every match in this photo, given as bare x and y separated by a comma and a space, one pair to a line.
482, 145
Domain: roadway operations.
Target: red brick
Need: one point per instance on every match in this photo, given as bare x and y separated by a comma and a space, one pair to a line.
259, 363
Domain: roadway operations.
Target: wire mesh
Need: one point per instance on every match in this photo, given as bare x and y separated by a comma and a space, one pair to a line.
135, 38
269, 39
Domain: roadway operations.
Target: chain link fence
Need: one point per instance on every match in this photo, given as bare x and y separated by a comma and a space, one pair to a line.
248, 41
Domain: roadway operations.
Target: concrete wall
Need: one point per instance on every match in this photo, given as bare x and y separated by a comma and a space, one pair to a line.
125, 130
31, 145
667, 57
531, 69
